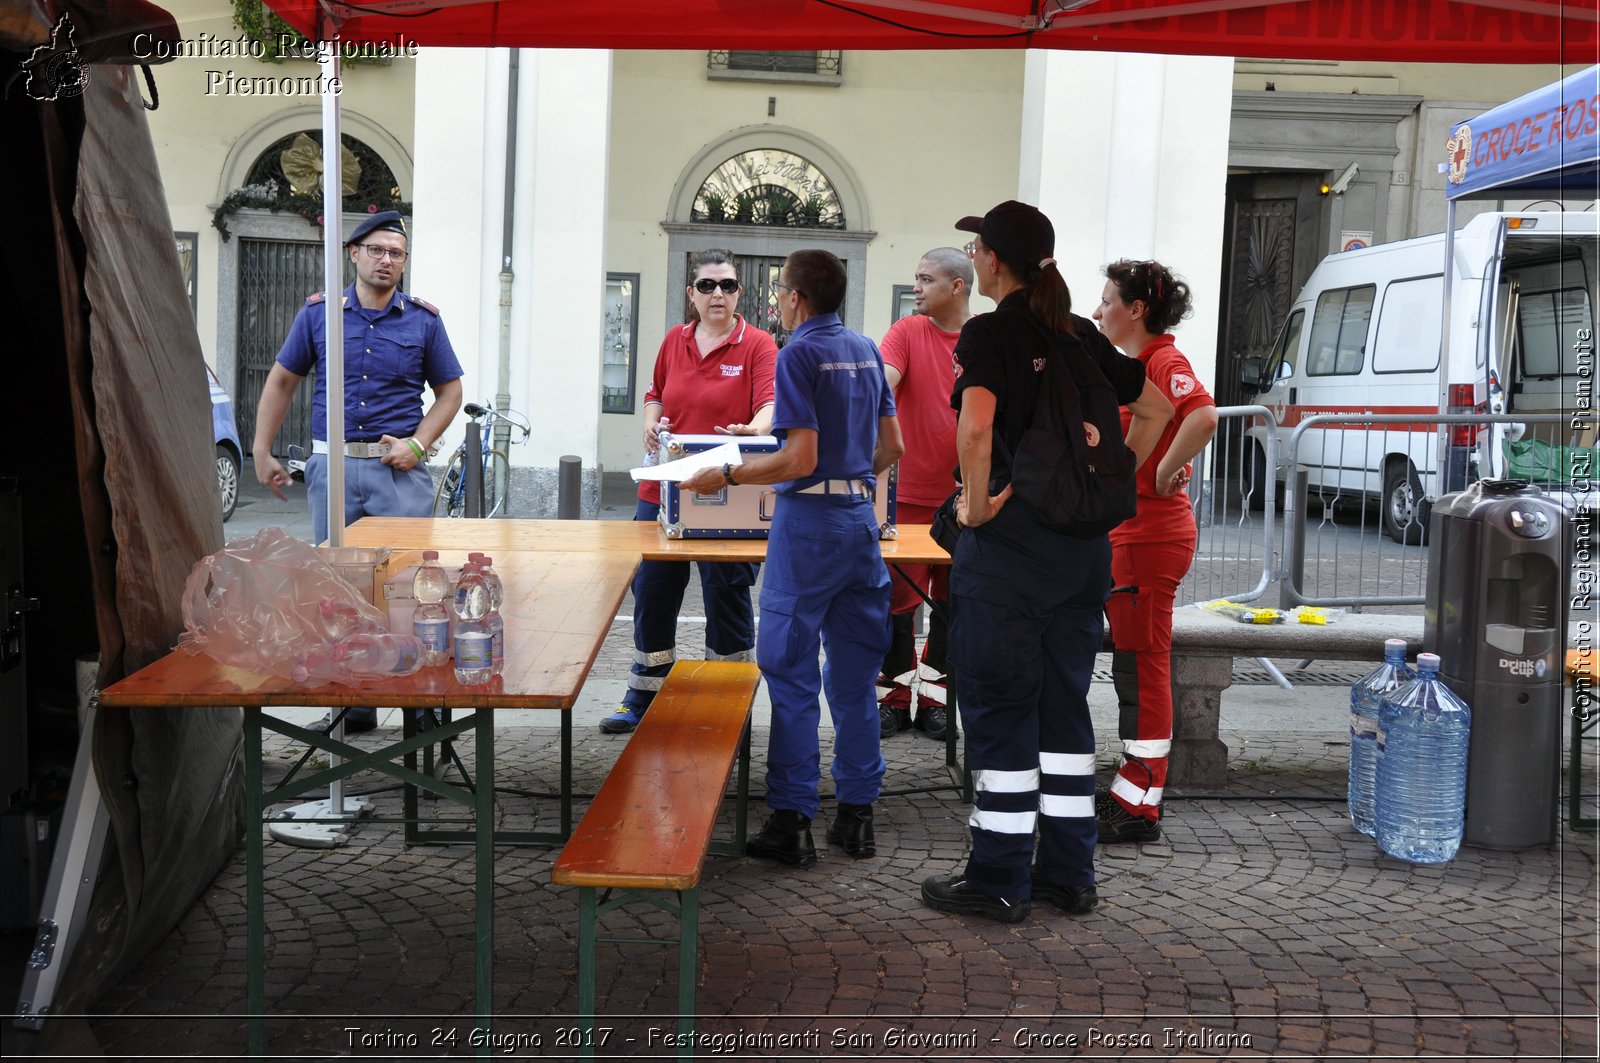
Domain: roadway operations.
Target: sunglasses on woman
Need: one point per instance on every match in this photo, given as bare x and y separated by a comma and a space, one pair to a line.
705, 285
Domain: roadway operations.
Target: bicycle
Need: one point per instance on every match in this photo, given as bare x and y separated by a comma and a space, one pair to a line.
450, 500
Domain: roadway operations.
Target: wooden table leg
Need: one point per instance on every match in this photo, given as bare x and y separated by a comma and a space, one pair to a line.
566, 774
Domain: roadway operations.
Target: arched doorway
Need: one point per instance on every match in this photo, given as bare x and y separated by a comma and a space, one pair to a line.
780, 190
762, 192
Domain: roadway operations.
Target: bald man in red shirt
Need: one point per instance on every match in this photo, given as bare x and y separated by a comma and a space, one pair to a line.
919, 362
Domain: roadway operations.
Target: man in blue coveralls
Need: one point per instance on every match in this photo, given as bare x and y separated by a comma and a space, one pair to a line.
825, 583
393, 344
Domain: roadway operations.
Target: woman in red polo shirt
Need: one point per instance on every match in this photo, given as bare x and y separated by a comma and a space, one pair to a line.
713, 374
1141, 304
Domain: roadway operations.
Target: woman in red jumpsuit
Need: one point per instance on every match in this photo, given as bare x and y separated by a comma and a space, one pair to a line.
1141, 304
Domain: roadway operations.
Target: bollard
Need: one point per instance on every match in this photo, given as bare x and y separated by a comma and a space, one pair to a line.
1294, 576
569, 487
472, 470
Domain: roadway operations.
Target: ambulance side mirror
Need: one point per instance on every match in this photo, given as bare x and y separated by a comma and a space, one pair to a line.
1251, 372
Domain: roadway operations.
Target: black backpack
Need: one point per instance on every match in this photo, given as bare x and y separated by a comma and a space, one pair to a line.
1072, 466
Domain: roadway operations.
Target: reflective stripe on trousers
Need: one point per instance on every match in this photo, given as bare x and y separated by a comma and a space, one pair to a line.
1141, 666
1024, 633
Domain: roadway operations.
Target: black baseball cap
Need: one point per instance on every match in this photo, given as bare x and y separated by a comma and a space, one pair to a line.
1017, 232
387, 221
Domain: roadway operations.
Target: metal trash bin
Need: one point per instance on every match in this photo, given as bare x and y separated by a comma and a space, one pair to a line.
1496, 616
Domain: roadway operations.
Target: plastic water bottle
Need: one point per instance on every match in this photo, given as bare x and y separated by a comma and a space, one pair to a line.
474, 645
316, 666
1364, 699
364, 655
496, 622
431, 622
1423, 731
338, 621
379, 655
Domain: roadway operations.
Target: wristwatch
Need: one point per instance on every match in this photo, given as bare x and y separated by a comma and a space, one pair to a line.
727, 473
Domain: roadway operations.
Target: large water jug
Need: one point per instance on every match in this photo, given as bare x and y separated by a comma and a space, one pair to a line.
1423, 733
1364, 698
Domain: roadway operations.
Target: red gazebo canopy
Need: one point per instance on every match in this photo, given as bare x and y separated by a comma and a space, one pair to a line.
1431, 31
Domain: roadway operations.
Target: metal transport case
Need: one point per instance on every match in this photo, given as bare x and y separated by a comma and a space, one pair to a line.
743, 511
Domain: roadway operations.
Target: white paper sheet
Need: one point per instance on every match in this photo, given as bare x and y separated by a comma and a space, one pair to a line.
685, 467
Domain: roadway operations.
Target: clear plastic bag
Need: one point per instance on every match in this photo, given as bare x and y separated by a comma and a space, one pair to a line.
272, 604
1244, 614
1314, 614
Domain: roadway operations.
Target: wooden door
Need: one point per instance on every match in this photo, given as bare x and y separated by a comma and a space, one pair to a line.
1270, 247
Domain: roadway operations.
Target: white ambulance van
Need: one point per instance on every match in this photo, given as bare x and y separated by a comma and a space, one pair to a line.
1364, 337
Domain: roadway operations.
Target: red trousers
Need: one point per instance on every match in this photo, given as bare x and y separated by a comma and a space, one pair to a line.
1141, 665
903, 601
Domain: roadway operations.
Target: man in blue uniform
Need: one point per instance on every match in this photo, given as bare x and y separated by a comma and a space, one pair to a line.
393, 344
825, 584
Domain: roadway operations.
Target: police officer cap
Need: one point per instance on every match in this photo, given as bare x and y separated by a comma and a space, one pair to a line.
384, 221
1017, 232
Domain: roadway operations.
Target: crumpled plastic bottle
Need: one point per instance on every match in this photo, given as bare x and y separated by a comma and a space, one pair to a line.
364, 655
339, 621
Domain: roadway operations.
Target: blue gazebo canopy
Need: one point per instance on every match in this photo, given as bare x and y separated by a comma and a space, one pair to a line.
1545, 142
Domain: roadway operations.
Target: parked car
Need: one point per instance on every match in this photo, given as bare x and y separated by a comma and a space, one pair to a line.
230, 454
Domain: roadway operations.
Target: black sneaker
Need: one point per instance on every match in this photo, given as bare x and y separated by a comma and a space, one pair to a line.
1074, 900
894, 707
621, 722
954, 894
1117, 825
892, 721
932, 719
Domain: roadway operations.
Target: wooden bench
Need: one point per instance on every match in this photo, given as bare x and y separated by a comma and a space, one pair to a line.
649, 829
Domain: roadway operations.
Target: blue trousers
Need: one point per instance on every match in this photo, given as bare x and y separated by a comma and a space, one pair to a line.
1026, 626
371, 489
825, 588
658, 589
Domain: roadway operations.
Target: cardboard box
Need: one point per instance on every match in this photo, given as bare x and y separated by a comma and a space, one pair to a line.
743, 511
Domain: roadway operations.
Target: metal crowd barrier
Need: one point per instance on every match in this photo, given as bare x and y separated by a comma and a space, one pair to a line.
1325, 543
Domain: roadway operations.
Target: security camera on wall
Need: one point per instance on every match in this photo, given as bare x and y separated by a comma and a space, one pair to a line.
1343, 181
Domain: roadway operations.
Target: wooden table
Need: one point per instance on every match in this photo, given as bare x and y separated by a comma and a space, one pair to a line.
913, 545
558, 607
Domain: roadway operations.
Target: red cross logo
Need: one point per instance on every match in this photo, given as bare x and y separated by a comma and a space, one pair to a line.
1458, 152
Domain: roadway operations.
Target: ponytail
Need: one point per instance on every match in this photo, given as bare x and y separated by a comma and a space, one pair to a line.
1049, 298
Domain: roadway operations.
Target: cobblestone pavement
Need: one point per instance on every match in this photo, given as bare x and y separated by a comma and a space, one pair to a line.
1261, 925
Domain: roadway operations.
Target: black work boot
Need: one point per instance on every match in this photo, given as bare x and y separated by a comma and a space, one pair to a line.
786, 838
851, 830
